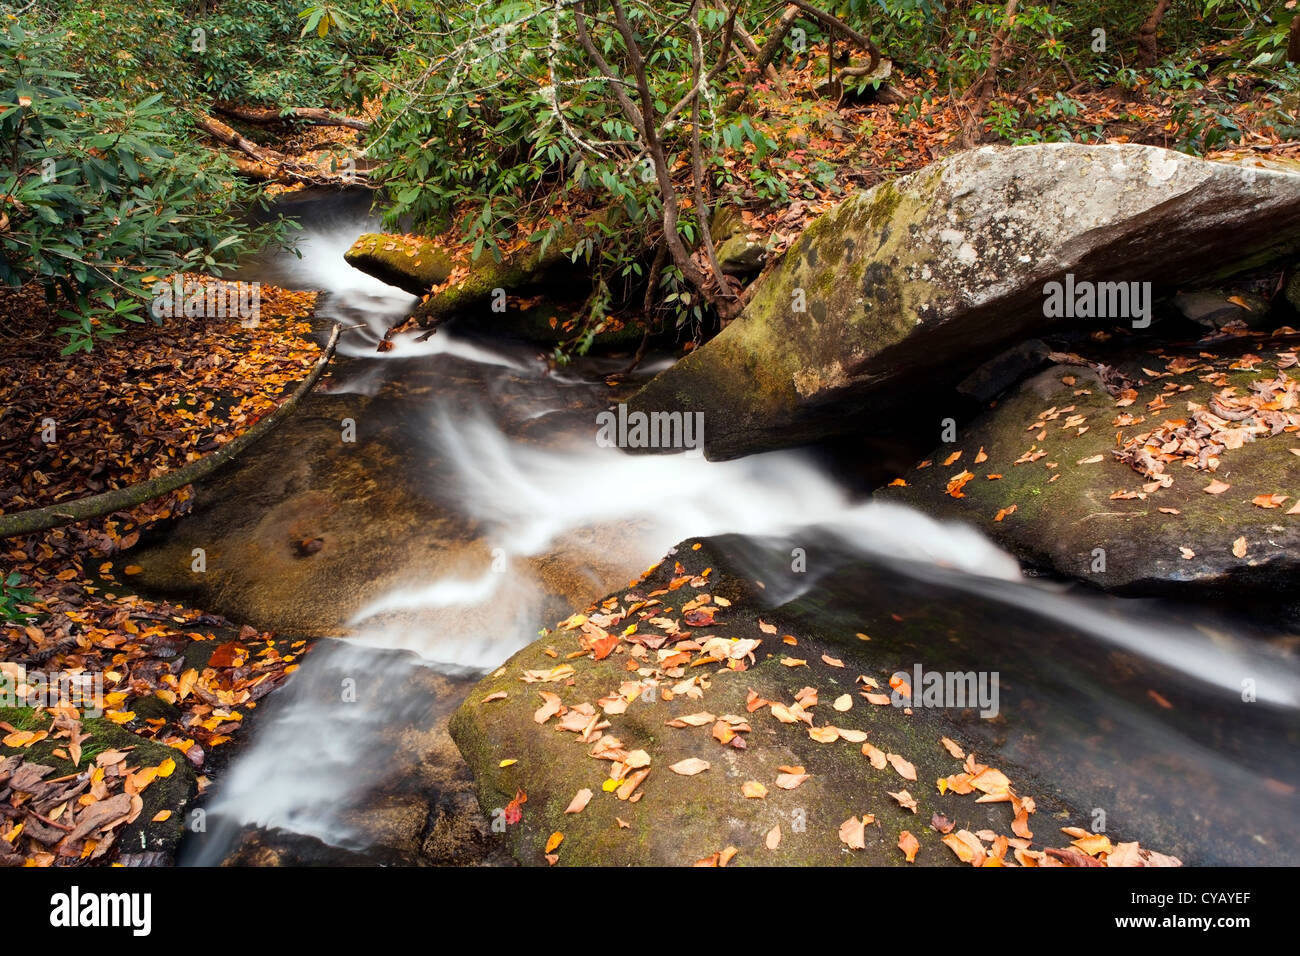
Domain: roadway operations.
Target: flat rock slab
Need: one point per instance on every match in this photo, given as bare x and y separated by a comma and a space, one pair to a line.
1063, 501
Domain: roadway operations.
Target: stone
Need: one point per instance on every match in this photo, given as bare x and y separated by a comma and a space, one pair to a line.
916, 282
1065, 519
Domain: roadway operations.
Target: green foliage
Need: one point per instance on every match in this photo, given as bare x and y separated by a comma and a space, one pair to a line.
498, 116
258, 52
101, 196
11, 595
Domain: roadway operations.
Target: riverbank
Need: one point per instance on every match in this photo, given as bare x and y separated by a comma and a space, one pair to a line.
176, 678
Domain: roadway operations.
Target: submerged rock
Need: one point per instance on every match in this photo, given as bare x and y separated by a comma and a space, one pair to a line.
919, 280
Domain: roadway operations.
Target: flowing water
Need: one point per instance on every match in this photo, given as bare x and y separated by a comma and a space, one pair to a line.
1134, 708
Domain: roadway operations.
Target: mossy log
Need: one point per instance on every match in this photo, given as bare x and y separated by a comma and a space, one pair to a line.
119, 499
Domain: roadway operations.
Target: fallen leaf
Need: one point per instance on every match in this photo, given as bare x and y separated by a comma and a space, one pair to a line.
789, 781
904, 769
579, 801
909, 845
875, 755
853, 833
773, 838
690, 766
905, 800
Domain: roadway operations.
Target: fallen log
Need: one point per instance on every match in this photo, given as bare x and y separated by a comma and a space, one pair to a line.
272, 164
119, 499
307, 114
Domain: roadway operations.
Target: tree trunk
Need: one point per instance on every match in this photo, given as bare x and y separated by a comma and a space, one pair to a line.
1293, 40
1147, 35
119, 499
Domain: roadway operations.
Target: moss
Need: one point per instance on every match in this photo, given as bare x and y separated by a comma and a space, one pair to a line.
173, 793
1059, 523
413, 265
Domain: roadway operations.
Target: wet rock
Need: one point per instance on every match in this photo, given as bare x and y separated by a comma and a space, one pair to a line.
681, 819
387, 519
1076, 725
410, 263
1066, 517
915, 282
1214, 310
998, 374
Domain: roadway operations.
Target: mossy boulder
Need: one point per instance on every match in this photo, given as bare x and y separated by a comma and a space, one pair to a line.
145, 840
410, 263
682, 819
914, 282
531, 293
741, 256
1067, 516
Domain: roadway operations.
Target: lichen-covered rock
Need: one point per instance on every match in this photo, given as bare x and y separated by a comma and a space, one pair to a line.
1045, 482
918, 280
410, 263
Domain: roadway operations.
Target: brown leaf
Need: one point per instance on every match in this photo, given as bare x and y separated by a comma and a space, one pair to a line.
853, 833
905, 800
909, 845
690, 766
579, 801
904, 769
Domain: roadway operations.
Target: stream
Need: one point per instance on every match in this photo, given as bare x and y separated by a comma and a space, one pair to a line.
477, 508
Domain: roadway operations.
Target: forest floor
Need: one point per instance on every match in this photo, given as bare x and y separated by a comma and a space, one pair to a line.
147, 401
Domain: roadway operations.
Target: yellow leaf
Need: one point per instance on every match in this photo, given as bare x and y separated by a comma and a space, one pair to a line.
556, 839
510, 763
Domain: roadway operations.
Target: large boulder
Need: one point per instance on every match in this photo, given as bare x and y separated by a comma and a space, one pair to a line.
919, 280
1166, 484
711, 660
